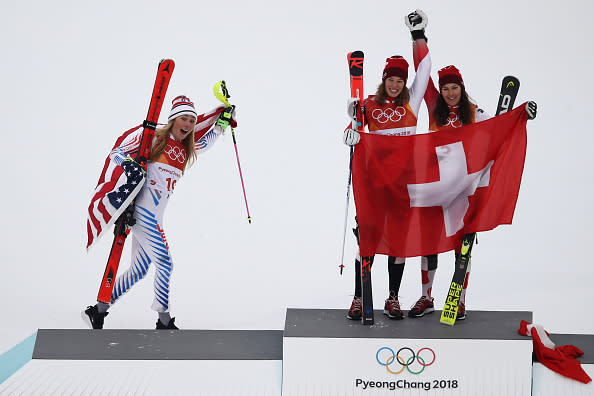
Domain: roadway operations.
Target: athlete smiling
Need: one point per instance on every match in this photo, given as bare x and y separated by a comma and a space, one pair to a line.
174, 147
450, 106
393, 111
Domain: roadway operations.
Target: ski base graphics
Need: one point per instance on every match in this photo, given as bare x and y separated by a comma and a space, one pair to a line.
450, 309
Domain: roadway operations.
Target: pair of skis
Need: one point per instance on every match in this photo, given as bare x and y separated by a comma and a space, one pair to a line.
509, 90
355, 60
126, 219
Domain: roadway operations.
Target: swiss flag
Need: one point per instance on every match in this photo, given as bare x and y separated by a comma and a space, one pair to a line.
418, 195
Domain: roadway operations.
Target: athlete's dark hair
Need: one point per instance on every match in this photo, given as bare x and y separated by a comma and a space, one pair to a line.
442, 111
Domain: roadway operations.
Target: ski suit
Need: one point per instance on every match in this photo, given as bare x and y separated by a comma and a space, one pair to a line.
149, 244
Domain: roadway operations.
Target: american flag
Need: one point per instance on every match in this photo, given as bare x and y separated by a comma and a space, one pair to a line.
117, 187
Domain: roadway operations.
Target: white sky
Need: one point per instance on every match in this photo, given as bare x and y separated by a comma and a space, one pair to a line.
77, 74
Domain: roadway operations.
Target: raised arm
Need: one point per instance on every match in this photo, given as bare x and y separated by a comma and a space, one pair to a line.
416, 22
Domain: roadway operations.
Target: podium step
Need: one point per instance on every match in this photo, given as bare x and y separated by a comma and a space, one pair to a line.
494, 325
159, 344
151, 362
325, 353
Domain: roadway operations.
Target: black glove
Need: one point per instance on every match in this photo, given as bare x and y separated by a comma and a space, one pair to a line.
225, 117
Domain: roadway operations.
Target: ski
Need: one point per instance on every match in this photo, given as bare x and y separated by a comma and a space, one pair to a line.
355, 60
510, 86
509, 90
367, 317
126, 219
450, 309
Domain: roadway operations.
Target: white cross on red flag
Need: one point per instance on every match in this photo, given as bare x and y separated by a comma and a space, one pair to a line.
418, 195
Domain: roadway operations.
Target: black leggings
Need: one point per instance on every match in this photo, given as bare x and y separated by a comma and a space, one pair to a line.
395, 272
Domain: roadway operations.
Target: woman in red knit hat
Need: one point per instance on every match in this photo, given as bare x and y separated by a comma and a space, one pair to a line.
393, 111
450, 106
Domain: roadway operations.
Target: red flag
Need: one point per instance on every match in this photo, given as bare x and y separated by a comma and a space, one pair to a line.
418, 195
561, 359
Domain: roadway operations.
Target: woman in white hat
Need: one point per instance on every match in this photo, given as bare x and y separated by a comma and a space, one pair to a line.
174, 147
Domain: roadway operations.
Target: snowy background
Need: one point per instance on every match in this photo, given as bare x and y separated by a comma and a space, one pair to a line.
77, 74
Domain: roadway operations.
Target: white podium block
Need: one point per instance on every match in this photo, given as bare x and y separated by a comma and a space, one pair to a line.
546, 382
326, 354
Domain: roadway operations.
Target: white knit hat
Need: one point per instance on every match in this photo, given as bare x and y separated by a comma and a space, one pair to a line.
180, 106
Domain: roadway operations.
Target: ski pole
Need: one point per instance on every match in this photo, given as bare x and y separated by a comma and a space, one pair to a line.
346, 210
222, 94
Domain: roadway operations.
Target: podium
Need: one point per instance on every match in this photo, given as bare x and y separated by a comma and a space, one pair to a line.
151, 362
320, 352
548, 383
326, 354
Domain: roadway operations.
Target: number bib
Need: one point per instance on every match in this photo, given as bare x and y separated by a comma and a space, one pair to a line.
166, 170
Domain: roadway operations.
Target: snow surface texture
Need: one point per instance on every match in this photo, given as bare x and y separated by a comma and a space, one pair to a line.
77, 74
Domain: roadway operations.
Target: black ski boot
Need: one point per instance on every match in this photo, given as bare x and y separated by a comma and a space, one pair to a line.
93, 318
170, 326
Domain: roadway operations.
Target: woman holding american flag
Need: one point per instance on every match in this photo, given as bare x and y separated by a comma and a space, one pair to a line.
174, 147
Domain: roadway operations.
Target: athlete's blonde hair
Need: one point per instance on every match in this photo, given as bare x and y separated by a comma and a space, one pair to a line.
161, 135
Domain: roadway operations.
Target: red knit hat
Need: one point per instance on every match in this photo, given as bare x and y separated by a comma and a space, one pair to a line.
396, 66
450, 74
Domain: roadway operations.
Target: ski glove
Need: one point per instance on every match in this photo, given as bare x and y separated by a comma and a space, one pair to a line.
133, 169
351, 137
225, 117
416, 22
531, 110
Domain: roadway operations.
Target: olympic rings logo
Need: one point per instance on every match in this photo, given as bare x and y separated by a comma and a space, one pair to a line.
176, 154
406, 362
383, 116
453, 120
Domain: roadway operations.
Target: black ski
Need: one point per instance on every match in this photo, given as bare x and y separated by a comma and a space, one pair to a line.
510, 86
366, 291
509, 90
355, 60
450, 309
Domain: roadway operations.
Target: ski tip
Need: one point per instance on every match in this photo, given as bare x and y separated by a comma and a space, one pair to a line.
355, 54
510, 81
249, 219
166, 65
